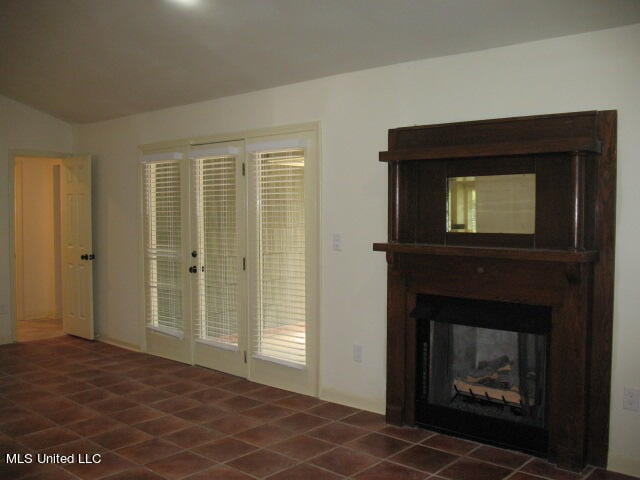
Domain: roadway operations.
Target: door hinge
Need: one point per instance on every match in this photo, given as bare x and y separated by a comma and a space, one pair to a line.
244, 263
245, 356
243, 169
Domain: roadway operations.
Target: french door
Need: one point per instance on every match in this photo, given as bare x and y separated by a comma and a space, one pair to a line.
281, 244
165, 214
219, 257
233, 254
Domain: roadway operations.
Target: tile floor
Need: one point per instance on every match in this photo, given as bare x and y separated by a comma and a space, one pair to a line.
151, 418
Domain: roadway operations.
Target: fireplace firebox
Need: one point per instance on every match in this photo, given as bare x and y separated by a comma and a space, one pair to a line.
500, 260
481, 370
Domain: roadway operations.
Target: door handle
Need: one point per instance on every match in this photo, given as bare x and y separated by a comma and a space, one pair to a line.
84, 257
193, 269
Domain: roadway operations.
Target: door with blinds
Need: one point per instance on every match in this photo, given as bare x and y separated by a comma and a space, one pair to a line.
230, 265
282, 274
165, 237
219, 256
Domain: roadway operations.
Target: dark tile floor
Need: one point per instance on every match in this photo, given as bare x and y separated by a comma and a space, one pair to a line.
151, 418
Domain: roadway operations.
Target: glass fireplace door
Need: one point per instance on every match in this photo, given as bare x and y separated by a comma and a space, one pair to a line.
490, 372
482, 370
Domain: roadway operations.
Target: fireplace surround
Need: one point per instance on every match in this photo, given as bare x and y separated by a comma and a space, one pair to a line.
538, 287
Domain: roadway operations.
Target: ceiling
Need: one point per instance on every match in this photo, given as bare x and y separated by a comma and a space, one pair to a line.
90, 60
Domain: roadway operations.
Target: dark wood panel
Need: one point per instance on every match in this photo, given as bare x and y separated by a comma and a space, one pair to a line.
430, 202
498, 131
539, 255
405, 213
568, 405
553, 199
396, 333
410, 349
508, 240
591, 192
602, 323
497, 166
393, 192
491, 150
532, 283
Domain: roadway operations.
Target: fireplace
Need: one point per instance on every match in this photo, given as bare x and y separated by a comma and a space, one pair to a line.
481, 370
500, 259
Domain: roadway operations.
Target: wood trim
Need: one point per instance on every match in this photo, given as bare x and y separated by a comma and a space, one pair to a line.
602, 314
508, 240
584, 144
494, 121
560, 256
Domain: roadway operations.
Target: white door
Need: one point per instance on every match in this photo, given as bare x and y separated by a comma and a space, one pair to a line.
281, 261
166, 261
77, 251
218, 255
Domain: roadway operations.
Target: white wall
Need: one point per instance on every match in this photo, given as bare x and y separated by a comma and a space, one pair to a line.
21, 128
591, 71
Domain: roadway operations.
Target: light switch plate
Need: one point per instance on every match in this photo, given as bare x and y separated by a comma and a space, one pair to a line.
336, 242
357, 353
631, 399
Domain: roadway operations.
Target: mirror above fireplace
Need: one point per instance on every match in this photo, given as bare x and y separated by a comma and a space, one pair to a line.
492, 204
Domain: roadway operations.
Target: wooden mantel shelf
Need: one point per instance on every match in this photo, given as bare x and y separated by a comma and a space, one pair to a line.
536, 255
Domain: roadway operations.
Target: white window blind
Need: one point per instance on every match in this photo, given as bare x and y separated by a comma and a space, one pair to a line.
279, 326
215, 207
163, 243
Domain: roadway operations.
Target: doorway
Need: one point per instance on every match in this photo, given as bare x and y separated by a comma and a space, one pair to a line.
52, 258
38, 248
228, 246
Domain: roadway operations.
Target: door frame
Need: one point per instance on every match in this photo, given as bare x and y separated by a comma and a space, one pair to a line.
206, 354
272, 372
314, 277
14, 288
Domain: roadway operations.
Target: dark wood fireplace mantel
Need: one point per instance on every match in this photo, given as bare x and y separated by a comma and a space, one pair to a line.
567, 264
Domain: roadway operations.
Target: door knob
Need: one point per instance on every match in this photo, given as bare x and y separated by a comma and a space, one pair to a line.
84, 257
193, 269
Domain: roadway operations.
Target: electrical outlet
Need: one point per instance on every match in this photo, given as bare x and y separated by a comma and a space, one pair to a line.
357, 353
631, 399
336, 242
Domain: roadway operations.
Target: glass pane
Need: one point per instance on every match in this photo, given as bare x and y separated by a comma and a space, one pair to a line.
492, 204
279, 322
215, 206
489, 372
163, 243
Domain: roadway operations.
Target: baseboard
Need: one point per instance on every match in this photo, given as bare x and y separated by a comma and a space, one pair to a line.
118, 343
622, 464
362, 403
5, 340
